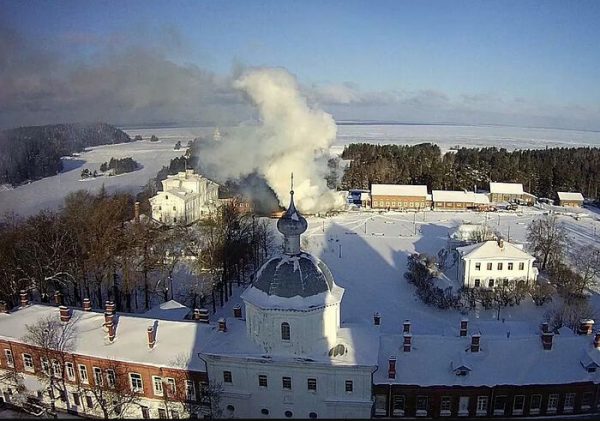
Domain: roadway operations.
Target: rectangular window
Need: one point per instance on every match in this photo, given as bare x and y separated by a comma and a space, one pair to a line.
111, 379
380, 405
89, 402
76, 399
145, 412
499, 405
521, 266
569, 402
477, 283
162, 414
56, 369
463, 406
171, 388
287, 382
190, 390
157, 385
83, 373
28, 363
491, 283
552, 402
445, 405
422, 405
262, 380
536, 404
135, 381
499, 266
98, 380
174, 415
509, 266
349, 386
489, 266
312, 384
9, 358
518, 404
227, 378
477, 266
45, 365
398, 405
70, 371
482, 405
586, 401
505, 282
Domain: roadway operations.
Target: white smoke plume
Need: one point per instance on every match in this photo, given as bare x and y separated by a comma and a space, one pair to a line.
290, 136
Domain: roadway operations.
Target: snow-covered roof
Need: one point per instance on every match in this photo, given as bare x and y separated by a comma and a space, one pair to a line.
398, 190
515, 360
570, 196
365, 196
174, 340
492, 250
506, 188
361, 343
459, 196
170, 310
465, 231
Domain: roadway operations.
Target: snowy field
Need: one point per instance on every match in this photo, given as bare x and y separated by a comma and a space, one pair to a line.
370, 266
50, 192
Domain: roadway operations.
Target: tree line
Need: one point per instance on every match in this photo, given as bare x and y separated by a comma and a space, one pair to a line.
31, 153
119, 165
94, 248
542, 172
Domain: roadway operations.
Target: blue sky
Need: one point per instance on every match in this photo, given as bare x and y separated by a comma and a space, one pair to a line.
539, 57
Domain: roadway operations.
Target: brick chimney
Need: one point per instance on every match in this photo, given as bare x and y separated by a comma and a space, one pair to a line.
406, 326
464, 326
151, 337
4, 307
392, 367
475, 342
222, 325
545, 328
109, 319
110, 307
23, 298
203, 315
57, 298
111, 331
65, 313
237, 311
87, 304
585, 327
500, 242
407, 342
377, 319
547, 340
136, 211
597, 340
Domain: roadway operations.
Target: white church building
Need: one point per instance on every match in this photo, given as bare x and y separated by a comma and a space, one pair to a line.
185, 198
290, 357
495, 263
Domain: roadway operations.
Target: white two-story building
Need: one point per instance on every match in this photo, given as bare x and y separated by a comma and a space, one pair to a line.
185, 198
495, 263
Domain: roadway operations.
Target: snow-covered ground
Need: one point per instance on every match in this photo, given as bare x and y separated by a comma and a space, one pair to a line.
50, 192
370, 266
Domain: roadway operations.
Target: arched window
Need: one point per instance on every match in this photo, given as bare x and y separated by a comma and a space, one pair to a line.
285, 331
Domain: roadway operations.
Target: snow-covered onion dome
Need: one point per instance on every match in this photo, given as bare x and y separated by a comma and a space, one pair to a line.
293, 304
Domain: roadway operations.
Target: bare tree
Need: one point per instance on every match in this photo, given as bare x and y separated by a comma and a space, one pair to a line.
586, 261
547, 239
112, 393
569, 314
52, 340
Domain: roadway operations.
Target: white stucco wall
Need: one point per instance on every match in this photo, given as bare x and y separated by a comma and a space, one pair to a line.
310, 331
469, 273
330, 400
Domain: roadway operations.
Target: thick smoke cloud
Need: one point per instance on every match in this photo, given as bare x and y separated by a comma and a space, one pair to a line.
290, 137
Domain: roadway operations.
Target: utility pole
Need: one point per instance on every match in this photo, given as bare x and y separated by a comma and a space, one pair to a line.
508, 239
415, 223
